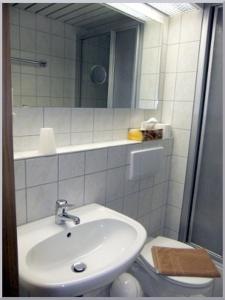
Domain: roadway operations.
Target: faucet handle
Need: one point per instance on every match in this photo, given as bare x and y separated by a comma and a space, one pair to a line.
61, 203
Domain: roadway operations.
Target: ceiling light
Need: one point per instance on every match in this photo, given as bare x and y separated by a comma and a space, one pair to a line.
172, 9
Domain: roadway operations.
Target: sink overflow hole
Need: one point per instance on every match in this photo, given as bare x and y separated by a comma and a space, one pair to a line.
68, 234
79, 267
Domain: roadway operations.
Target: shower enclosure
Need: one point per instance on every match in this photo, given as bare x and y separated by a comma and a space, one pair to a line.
108, 68
201, 219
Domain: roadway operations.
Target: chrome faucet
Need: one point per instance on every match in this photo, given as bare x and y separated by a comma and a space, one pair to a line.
61, 214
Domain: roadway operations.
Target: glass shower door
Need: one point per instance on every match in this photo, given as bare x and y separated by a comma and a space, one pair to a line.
206, 216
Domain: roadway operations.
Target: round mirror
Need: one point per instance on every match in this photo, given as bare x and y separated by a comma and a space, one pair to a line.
98, 74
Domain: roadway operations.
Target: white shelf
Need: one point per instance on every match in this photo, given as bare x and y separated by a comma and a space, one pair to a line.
74, 148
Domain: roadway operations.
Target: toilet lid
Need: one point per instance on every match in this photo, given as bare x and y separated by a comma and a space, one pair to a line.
146, 256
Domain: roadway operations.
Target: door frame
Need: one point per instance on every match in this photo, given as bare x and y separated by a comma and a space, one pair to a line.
9, 233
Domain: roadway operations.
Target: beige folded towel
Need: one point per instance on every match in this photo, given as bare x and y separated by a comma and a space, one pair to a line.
183, 262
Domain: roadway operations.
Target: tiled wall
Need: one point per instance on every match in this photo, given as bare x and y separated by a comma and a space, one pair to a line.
39, 38
99, 176
73, 125
179, 88
154, 37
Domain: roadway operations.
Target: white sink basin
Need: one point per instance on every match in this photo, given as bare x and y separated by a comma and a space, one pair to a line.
106, 241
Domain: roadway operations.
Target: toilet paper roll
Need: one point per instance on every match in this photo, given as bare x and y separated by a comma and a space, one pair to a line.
47, 141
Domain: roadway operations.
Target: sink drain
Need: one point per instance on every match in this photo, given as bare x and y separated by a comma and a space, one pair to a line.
79, 267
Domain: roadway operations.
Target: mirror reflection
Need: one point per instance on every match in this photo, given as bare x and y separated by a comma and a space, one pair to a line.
81, 55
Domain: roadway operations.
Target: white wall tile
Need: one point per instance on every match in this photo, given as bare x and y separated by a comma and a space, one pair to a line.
56, 87
131, 205
15, 37
120, 134
102, 136
58, 119
167, 112
171, 233
19, 173
188, 57
14, 16
95, 188
70, 49
103, 119
155, 220
71, 165
146, 182
41, 170
57, 46
43, 43
115, 183
28, 85
151, 60
41, 201
43, 86
145, 201
175, 194
21, 209
121, 118
181, 142
72, 190
172, 218
136, 117
144, 220
152, 34
81, 138
57, 67
116, 205
57, 28
96, 160
191, 26
27, 19
25, 143
27, 41
42, 23
178, 168
117, 156
161, 174
159, 195
169, 86
69, 31
62, 139
82, 119
25, 116
185, 86
174, 30
148, 87
182, 115
171, 60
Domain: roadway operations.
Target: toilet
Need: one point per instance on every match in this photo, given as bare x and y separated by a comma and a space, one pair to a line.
156, 285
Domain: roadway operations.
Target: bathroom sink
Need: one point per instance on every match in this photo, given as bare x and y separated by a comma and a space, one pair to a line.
69, 260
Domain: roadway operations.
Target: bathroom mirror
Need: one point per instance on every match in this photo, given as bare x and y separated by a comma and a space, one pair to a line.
83, 55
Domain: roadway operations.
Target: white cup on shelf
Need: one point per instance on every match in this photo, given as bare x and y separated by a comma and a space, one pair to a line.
47, 141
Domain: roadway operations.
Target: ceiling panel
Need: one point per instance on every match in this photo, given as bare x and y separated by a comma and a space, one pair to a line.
87, 15
36, 7
51, 8
66, 10
82, 11
92, 15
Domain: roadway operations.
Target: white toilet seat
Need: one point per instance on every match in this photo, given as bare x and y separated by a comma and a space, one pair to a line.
146, 261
